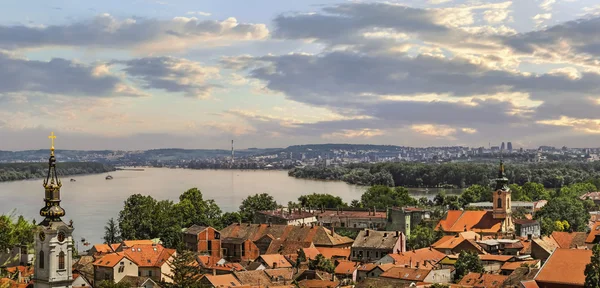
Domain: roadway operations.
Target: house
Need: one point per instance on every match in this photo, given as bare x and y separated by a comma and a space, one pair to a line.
346, 270
454, 244
274, 261
564, 268
339, 254
594, 196
220, 281
17, 256
79, 280
85, 267
245, 242
527, 228
482, 280
152, 260
285, 217
371, 270
126, 244
22, 274
404, 218
493, 263
217, 266
408, 275
204, 240
138, 282
519, 275
100, 249
318, 284
352, 218
253, 278
371, 245
501, 246
529, 206
424, 258
280, 275
509, 267
543, 247
594, 236
113, 267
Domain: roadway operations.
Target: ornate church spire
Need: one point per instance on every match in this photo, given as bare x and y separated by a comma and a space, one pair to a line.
501, 181
52, 211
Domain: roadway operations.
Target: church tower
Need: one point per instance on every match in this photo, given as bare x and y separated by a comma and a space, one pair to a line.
501, 198
53, 237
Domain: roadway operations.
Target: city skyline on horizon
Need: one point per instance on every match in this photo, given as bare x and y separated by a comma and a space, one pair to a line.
146, 74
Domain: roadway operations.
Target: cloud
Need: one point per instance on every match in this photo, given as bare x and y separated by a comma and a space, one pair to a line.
436, 2
200, 13
106, 31
434, 130
540, 18
173, 75
546, 5
348, 133
59, 76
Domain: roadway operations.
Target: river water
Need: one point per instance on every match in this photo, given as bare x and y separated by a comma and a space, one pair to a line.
92, 200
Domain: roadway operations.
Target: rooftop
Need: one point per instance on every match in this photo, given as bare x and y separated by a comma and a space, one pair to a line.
563, 262
278, 259
195, 229
595, 231
148, 255
319, 235
425, 257
377, 239
569, 239
406, 273
285, 214
483, 280
352, 214
225, 280
346, 267
477, 221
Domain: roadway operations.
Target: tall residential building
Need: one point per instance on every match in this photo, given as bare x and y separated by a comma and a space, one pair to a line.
502, 146
53, 237
509, 146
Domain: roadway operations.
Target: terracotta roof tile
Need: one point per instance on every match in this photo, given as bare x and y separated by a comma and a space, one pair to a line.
377, 239
285, 274
257, 277
319, 235
104, 248
318, 284
149, 255
497, 258
526, 247
546, 243
406, 273
529, 284
225, 280
129, 243
110, 260
511, 266
367, 267
311, 252
563, 262
346, 267
330, 253
279, 259
478, 221
483, 280
569, 239
424, 257
595, 231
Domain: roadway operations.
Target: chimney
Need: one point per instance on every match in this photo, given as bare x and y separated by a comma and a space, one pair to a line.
332, 231
274, 265
367, 232
410, 262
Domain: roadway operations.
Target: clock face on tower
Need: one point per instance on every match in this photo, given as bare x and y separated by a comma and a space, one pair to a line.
61, 236
499, 192
42, 236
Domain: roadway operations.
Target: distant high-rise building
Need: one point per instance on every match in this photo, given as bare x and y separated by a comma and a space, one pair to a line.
509, 146
502, 146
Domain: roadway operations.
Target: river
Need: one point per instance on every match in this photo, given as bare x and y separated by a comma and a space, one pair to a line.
92, 200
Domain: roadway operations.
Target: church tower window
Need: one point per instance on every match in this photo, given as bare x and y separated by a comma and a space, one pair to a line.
499, 203
61, 260
41, 260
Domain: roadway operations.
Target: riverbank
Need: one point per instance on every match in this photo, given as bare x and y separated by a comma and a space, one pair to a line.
30, 171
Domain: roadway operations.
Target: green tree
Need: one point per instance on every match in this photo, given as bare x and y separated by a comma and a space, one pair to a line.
205, 212
382, 197
136, 218
592, 269
111, 232
356, 204
475, 193
467, 262
254, 203
563, 208
535, 191
321, 263
229, 218
183, 271
422, 236
321, 200
13, 233
301, 257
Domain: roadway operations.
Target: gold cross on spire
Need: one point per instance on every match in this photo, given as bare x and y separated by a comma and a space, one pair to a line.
52, 137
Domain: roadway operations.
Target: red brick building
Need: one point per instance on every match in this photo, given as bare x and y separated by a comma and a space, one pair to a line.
205, 240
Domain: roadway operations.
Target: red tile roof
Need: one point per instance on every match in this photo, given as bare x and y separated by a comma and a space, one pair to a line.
424, 257
110, 260
329, 253
510, 266
406, 273
497, 258
569, 239
210, 262
319, 235
318, 284
225, 280
311, 252
529, 284
478, 221
149, 255
562, 263
593, 233
104, 248
483, 280
346, 267
279, 259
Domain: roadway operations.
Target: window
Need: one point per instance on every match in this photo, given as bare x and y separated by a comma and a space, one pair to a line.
499, 203
507, 203
343, 224
376, 254
354, 252
368, 252
243, 250
61, 260
149, 273
209, 246
217, 235
41, 260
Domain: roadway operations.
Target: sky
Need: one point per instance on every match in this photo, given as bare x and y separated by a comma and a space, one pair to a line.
144, 74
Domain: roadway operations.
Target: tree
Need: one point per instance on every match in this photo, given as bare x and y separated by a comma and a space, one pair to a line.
136, 218
183, 271
475, 193
229, 218
563, 208
321, 263
535, 191
321, 200
111, 232
422, 236
467, 262
592, 269
202, 212
301, 257
254, 203
13, 233
382, 197
356, 204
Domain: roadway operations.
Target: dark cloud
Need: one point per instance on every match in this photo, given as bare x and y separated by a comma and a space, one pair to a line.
172, 75
109, 32
57, 76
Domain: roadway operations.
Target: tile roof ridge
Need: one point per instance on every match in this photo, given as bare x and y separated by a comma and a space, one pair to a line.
458, 219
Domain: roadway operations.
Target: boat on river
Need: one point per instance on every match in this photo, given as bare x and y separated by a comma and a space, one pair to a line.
109, 177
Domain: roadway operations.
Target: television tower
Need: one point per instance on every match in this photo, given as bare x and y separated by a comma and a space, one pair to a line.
232, 153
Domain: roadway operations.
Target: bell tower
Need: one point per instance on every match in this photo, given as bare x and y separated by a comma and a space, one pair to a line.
53, 237
502, 200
